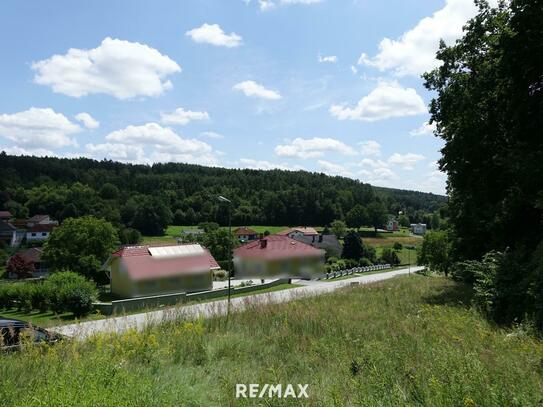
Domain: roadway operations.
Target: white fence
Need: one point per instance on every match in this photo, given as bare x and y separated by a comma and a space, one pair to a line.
356, 270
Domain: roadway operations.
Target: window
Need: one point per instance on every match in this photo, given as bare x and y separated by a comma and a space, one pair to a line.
44, 233
33, 234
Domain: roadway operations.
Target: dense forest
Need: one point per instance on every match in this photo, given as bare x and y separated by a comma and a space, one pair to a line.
149, 198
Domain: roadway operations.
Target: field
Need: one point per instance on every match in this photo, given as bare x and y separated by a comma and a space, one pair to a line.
411, 341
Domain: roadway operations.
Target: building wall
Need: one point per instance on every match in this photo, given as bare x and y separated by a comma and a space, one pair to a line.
297, 267
123, 286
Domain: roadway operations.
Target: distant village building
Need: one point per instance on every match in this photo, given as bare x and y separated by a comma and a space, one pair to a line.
8, 234
40, 220
392, 225
418, 228
137, 271
5, 216
39, 232
299, 231
278, 256
245, 234
33, 256
328, 243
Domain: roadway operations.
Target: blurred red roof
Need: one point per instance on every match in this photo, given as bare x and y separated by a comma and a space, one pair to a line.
277, 247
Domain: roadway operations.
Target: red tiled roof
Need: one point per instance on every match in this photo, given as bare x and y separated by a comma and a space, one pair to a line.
42, 228
277, 247
139, 263
244, 231
307, 231
5, 215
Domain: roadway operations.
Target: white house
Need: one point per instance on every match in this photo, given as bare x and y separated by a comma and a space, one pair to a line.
299, 231
418, 228
39, 232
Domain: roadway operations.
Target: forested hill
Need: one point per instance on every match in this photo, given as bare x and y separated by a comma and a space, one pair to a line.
75, 187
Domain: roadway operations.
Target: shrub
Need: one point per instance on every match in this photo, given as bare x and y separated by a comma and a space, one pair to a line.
389, 256
398, 246
364, 262
41, 296
6, 297
219, 275
71, 292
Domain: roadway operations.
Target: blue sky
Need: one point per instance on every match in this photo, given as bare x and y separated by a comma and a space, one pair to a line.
328, 86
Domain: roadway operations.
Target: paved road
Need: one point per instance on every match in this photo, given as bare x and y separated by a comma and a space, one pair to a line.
214, 308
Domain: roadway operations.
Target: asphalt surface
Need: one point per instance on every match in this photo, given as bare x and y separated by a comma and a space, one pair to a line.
215, 308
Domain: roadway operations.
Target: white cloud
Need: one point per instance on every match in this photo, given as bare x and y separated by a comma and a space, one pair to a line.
36, 152
88, 121
354, 70
119, 68
251, 88
334, 169
214, 35
330, 58
211, 134
163, 139
182, 117
370, 147
117, 151
266, 5
387, 100
300, 1
414, 51
376, 172
266, 165
314, 147
38, 128
406, 161
424, 129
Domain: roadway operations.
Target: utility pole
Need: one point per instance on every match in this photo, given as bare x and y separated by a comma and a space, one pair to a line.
229, 203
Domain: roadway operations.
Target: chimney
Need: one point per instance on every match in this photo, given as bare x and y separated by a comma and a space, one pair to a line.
263, 243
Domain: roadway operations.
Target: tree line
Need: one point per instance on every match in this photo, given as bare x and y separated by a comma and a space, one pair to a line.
489, 112
150, 197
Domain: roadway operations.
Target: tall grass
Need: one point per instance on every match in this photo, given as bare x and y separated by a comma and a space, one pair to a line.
409, 341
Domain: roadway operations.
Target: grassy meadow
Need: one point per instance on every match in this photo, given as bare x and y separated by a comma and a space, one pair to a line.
410, 341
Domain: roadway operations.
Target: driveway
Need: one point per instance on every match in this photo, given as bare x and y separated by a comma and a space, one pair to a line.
209, 309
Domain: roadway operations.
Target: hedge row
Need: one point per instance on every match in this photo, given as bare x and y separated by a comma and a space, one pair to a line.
61, 292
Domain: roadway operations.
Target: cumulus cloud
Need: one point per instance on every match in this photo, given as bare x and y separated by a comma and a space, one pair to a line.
313, 147
405, 161
88, 121
266, 165
36, 152
330, 58
150, 143
424, 129
214, 35
334, 169
387, 100
117, 152
182, 117
118, 68
370, 147
376, 172
414, 51
163, 139
38, 128
253, 89
354, 70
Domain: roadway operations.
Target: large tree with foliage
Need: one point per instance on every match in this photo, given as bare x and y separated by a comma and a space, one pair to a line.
377, 214
81, 245
357, 217
434, 252
488, 110
352, 247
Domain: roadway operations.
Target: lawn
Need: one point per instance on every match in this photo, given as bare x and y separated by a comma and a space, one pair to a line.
406, 256
176, 230
409, 341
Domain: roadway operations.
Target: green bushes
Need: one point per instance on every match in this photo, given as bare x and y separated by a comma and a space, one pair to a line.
61, 292
389, 256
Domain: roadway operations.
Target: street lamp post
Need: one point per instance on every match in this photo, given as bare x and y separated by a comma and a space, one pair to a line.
229, 203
